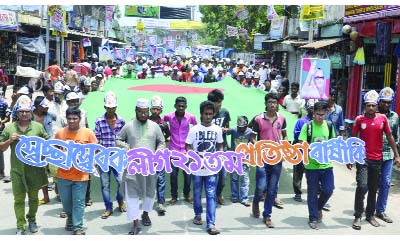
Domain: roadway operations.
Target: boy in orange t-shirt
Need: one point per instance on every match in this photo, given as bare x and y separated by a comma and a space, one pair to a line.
72, 183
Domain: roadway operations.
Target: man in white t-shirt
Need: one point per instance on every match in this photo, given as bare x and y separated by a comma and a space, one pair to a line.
293, 102
205, 137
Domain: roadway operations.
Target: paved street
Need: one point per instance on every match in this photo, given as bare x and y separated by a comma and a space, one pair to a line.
232, 219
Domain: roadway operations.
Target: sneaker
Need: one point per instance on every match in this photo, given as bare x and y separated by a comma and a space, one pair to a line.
221, 200
213, 231
313, 225
373, 222
298, 198
173, 201
79, 232
246, 203
384, 217
32, 227
20, 231
89, 203
160, 209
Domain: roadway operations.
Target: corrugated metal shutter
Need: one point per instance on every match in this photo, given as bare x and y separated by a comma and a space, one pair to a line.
293, 67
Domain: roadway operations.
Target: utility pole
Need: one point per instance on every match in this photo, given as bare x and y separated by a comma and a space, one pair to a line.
46, 61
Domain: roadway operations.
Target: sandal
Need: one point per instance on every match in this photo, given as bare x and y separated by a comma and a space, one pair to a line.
106, 214
197, 220
122, 207
146, 220
212, 231
135, 230
43, 201
89, 203
68, 225
63, 214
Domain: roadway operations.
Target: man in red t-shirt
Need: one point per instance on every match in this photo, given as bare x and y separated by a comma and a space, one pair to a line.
370, 128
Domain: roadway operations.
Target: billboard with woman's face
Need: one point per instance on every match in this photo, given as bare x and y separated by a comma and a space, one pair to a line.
315, 78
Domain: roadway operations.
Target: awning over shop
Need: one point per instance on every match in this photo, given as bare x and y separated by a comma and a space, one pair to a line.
321, 43
116, 42
295, 42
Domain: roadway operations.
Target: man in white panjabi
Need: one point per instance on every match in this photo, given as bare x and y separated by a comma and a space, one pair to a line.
143, 133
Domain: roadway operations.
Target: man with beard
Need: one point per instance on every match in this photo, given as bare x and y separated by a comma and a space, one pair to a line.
140, 132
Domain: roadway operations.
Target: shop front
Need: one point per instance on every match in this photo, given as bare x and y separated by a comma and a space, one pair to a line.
375, 34
8, 44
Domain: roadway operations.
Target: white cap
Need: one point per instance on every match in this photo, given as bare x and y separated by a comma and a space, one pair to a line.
72, 96
166, 68
24, 103
110, 100
195, 68
241, 62
23, 90
145, 66
142, 103
99, 75
241, 73
256, 75
175, 67
114, 68
371, 97
156, 101
45, 103
248, 75
58, 87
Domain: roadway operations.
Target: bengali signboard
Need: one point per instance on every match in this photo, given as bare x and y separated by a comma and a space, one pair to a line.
352, 10
58, 20
8, 20
277, 29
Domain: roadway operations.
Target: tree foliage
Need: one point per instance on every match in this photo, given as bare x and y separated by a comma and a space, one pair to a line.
217, 17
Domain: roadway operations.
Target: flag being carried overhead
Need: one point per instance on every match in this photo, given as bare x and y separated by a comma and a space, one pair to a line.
271, 13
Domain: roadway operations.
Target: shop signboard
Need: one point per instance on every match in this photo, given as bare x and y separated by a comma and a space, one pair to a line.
143, 11
353, 10
315, 78
8, 20
258, 39
277, 29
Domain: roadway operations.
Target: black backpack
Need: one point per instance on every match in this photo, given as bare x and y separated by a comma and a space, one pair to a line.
309, 130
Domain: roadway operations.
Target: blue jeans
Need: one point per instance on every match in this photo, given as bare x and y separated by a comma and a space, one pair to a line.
221, 181
161, 182
267, 178
210, 186
386, 177
244, 185
72, 194
105, 181
318, 181
174, 182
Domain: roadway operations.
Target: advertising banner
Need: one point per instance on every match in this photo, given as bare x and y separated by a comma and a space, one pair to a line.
58, 20
143, 11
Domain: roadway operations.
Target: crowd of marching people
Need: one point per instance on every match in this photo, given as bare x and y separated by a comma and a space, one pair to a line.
57, 114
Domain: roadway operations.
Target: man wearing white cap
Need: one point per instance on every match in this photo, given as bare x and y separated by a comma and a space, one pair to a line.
107, 126
140, 132
197, 76
370, 128
143, 74
156, 110
176, 74
385, 102
26, 179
